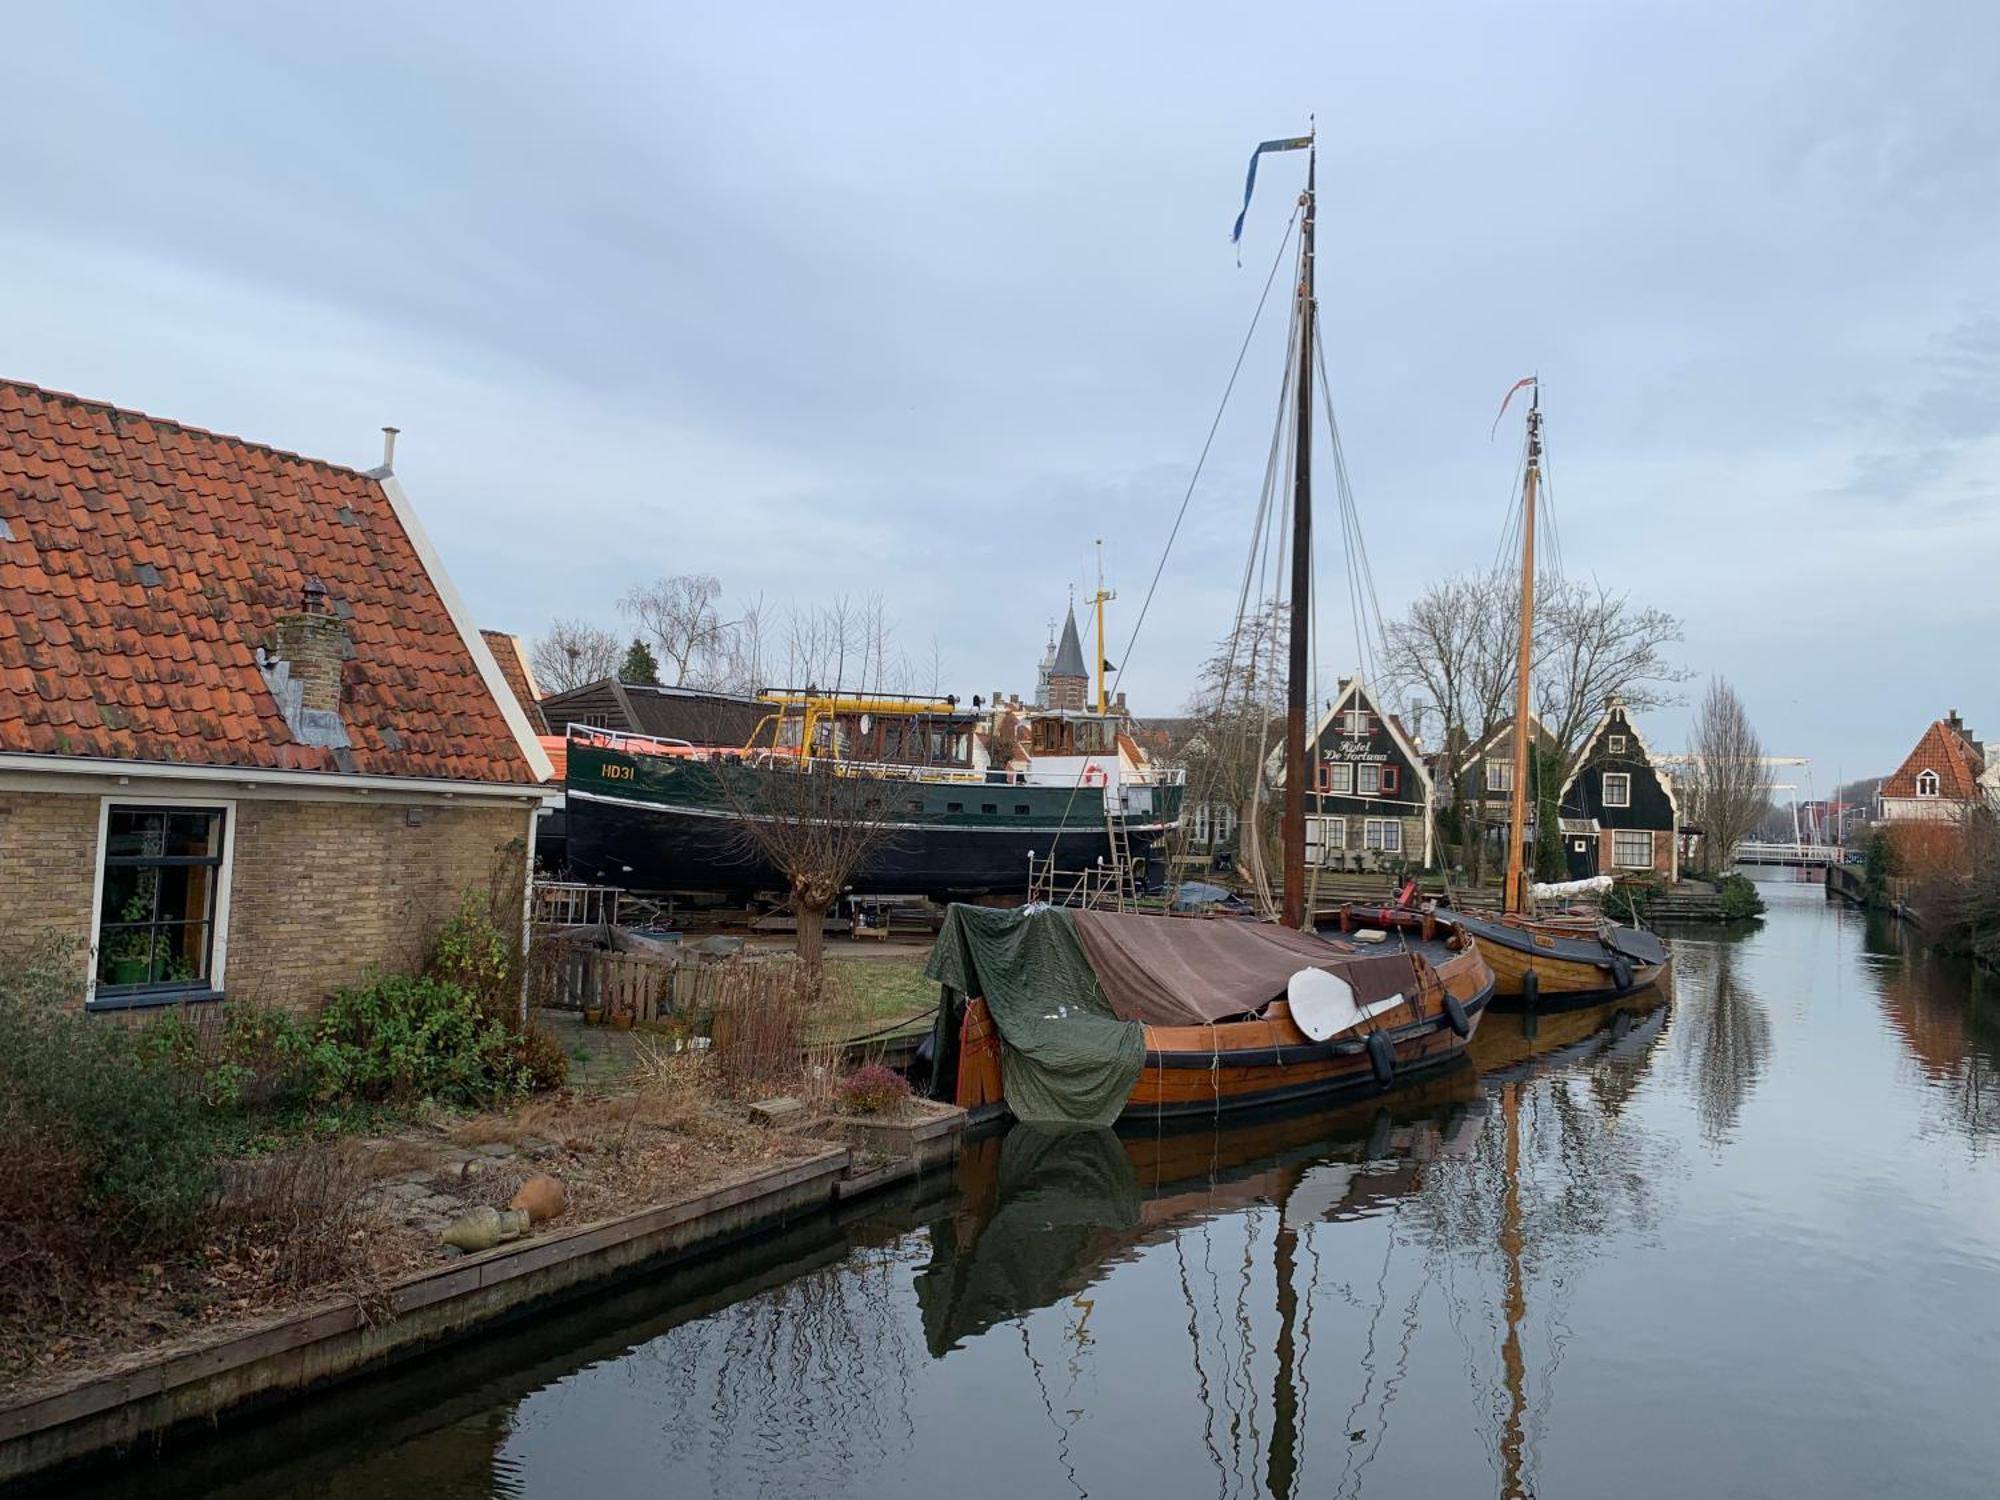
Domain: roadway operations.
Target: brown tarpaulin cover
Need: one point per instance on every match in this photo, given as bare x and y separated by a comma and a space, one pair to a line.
1182, 971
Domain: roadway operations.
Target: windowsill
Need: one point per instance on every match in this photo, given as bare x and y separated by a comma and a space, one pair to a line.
149, 999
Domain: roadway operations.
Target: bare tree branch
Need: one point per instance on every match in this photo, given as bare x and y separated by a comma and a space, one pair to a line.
571, 653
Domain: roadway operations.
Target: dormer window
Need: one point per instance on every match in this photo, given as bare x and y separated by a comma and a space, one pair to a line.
1927, 784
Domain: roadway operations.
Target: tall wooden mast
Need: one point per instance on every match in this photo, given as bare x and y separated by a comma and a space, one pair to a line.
1516, 895
1299, 686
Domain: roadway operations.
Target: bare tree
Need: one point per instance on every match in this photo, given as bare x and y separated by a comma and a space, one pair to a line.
802, 812
679, 614
1592, 643
1725, 787
571, 653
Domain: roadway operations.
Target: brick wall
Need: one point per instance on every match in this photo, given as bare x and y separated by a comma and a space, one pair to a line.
1663, 854
324, 891
48, 868
320, 893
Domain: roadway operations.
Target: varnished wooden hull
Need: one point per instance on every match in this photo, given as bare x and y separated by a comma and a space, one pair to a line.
1570, 969
1192, 1070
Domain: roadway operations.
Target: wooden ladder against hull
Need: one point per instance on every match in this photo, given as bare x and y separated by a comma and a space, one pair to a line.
1125, 881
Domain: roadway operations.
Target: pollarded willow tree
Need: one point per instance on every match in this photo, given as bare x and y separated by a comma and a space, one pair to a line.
1726, 787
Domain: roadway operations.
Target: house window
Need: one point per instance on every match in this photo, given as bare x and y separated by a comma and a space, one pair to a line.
1617, 788
162, 901
1339, 778
989, 808
1354, 723
1323, 781
1392, 778
1385, 834
1927, 783
954, 807
1632, 849
1369, 782
1022, 810
1499, 776
1614, 744
1326, 839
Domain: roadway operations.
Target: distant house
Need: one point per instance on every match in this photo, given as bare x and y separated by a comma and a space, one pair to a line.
1619, 813
1938, 781
668, 713
520, 677
1369, 803
250, 742
1486, 769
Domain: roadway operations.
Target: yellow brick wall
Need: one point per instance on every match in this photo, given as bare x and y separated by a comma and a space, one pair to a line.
320, 893
323, 892
48, 869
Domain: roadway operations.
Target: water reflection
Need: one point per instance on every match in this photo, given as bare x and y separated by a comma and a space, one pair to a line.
1724, 1030
1946, 1012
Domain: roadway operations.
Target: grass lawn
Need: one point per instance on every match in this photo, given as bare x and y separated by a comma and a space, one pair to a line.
874, 993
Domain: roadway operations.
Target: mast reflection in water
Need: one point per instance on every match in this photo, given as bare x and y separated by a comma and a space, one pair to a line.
1737, 1241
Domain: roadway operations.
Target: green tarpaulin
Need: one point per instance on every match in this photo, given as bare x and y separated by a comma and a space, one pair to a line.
1065, 1059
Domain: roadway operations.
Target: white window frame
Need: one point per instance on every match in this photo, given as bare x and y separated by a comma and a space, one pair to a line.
1332, 837
1614, 744
1368, 780
1354, 722
1927, 783
1499, 776
1340, 778
1376, 834
1624, 781
1618, 861
218, 952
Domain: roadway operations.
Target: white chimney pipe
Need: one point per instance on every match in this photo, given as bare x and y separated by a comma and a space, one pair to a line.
389, 449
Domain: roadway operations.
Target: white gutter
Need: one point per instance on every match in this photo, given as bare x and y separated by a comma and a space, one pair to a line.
259, 776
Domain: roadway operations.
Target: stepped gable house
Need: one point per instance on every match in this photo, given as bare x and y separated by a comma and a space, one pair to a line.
250, 742
1619, 813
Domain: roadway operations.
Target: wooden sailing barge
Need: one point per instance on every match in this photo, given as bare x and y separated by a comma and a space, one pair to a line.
1140, 1017
1566, 961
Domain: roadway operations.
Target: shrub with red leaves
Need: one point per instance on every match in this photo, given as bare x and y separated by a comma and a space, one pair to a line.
873, 1090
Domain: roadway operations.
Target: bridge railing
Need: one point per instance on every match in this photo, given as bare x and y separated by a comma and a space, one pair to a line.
1757, 852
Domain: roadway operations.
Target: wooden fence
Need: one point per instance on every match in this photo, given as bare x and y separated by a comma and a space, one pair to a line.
648, 988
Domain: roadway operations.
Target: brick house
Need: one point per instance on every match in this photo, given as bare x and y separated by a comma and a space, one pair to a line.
1939, 781
1619, 813
250, 742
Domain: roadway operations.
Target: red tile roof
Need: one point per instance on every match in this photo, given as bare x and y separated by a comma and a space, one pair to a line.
149, 560
507, 651
1947, 752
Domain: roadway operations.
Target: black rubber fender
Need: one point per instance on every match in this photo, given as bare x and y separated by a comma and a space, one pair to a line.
1621, 973
1455, 1013
1382, 1058
1531, 991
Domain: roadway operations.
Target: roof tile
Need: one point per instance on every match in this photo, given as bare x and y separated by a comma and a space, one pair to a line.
167, 671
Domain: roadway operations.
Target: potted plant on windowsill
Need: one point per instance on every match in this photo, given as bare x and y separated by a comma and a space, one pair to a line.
128, 954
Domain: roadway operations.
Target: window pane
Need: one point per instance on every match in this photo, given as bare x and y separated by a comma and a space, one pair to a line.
180, 953
193, 833
128, 893
130, 833
124, 955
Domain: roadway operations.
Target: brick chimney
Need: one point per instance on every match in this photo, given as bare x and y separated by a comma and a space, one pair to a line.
313, 643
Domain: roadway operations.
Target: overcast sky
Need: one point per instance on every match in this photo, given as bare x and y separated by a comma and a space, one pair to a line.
827, 299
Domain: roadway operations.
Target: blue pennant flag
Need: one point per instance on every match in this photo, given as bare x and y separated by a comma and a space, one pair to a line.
1296, 143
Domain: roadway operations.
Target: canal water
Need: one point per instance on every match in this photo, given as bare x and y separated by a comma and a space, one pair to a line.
1742, 1240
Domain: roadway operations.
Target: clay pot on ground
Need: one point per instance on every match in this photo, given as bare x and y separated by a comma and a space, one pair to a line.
593, 1015
541, 1196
